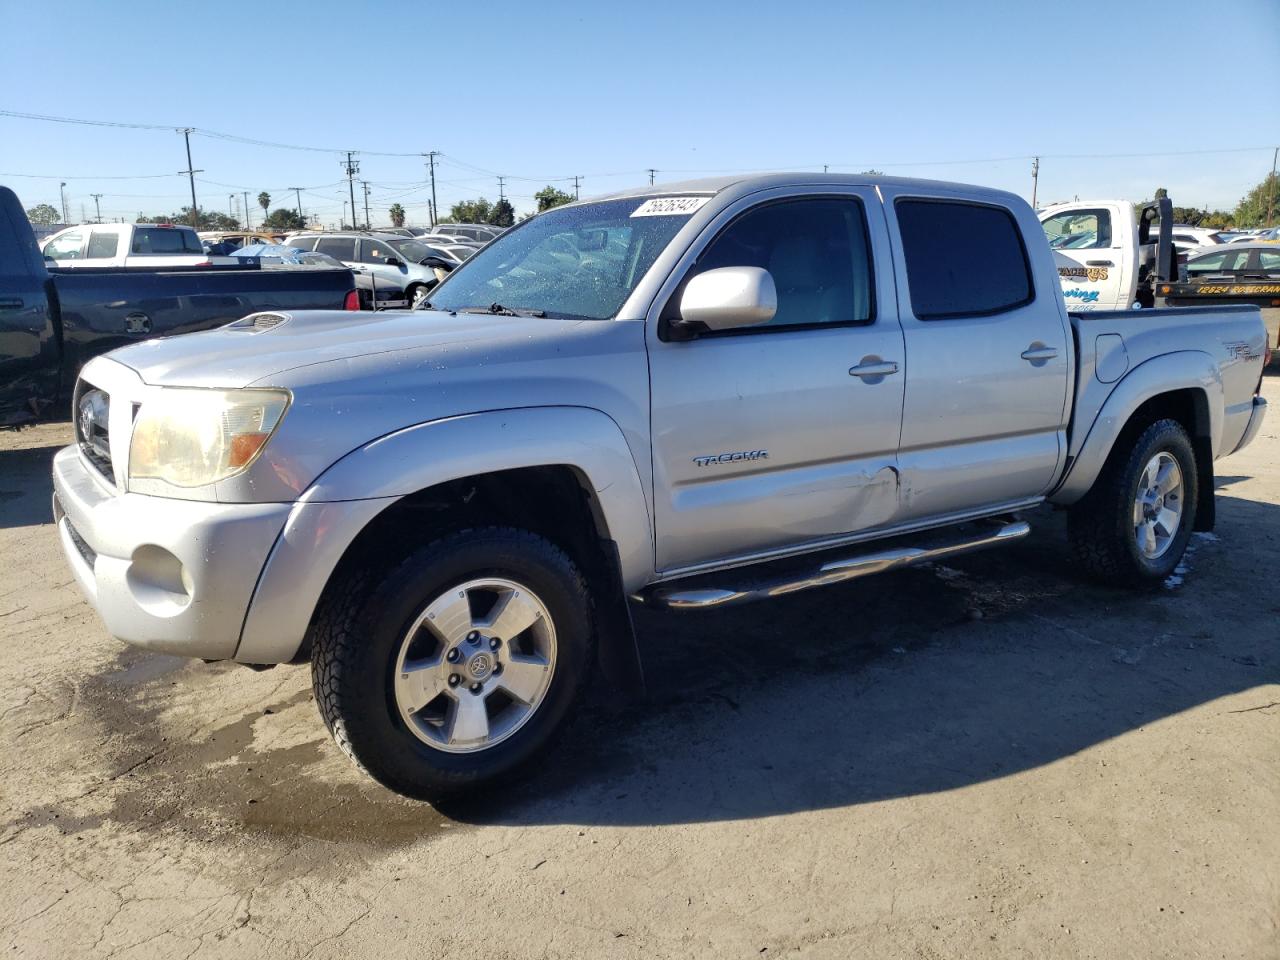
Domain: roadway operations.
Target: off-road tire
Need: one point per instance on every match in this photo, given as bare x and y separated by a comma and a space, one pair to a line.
1100, 527
355, 638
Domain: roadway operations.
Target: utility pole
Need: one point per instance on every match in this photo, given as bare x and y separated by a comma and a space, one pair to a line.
501, 195
1035, 180
575, 187
365, 184
298, 191
431, 165
62, 190
352, 167
97, 207
191, 175
231, 206
247, 224
824, 168
651, 174
344, 215
1271, 197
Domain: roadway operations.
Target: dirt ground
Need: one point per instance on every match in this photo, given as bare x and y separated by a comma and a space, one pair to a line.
987, 759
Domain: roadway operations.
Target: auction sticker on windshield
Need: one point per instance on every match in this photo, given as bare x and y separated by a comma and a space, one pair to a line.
669, 206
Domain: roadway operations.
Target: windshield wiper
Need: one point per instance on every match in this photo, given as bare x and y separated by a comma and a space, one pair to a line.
499, 310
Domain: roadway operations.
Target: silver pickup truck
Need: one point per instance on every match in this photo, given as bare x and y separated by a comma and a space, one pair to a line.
689, 396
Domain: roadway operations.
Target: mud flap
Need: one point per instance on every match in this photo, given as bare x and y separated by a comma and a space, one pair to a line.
1206, 500
619, 650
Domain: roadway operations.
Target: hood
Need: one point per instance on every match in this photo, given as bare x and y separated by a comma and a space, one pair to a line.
263, 346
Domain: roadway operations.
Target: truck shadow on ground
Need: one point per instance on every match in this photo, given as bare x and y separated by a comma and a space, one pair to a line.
914, 682
911, 683
25, 486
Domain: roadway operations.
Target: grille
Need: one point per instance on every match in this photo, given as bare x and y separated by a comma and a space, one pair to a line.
92, 412
86, 551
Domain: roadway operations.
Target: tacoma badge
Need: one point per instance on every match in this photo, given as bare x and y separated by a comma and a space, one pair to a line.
731, 457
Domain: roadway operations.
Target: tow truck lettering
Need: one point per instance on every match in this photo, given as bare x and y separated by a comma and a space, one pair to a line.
1084, 296
1092, 274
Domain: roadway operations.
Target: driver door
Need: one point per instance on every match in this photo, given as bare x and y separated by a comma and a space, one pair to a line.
767, 437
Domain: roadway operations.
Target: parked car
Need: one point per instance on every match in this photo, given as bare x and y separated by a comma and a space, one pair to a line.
740, 389
373, 296
408, 264
128, 245
1252, 260
53, 321
1241, 274
468, 231
225, 243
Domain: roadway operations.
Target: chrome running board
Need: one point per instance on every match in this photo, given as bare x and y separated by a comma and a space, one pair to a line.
675, 596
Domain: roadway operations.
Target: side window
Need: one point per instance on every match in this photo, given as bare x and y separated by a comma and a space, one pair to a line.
817, 252
1079, 230
65, 247
1269, 262
376, 252
340, 248
963, 259
303, 243
1213, 263
102, 244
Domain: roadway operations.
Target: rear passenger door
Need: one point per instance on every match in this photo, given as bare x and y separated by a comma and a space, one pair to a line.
988, 355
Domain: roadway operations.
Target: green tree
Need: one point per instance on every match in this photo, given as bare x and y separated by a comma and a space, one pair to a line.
470, 211
1253, 207
503, 214
549, 197
284, 218
264, 201
397, 215
209, 219
43, 214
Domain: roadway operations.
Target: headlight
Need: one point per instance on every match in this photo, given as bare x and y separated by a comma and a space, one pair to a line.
190, 438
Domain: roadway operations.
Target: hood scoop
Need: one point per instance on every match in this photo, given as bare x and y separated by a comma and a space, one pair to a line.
258, 322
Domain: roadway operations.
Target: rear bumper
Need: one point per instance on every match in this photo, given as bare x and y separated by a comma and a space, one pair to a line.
170, 575
1255, 423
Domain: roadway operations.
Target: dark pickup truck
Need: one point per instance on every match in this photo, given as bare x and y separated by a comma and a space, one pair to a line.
54, 321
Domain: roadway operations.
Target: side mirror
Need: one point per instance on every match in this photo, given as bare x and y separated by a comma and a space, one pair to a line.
729, 297
394, 262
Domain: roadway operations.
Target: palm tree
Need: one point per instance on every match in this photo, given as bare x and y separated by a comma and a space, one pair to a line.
397, 215
264, 201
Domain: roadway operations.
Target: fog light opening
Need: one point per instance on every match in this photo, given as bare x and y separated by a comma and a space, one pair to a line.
159, 581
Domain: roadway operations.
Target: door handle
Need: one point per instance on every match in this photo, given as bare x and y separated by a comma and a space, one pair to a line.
873, 367
11, 303
1098, 263
1039, 353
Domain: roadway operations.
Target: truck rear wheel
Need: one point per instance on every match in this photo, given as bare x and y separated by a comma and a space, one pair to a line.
1132, 528
456, 669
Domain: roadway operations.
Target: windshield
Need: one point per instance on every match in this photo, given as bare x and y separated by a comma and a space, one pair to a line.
577, 262
411, 250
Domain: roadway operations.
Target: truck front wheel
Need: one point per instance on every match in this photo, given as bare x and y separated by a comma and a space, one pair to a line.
1132, 528
455, 670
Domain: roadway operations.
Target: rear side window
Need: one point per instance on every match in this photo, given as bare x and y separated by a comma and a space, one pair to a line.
303, 243
103, 244
340, 248
963, 259
148, 241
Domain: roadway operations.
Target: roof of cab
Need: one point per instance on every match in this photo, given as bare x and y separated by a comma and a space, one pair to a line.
750, 183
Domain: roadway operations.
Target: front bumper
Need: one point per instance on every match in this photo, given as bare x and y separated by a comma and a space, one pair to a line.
1255, 423
174, 576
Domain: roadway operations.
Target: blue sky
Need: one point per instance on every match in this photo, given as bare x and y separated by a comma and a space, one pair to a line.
539, 91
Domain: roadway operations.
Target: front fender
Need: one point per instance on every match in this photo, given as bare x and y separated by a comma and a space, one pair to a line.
1186, 369
347, 496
